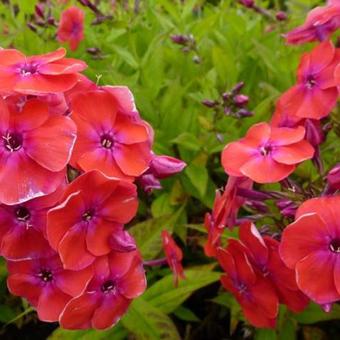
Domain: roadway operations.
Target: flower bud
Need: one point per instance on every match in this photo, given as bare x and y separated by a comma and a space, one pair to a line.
247, 3
244, 113
209, 103
39, 10
179, 39
165, 166
281, 16
122, 241
149, 182
236, 89
241, 100
333, 177
314, 133
287, 207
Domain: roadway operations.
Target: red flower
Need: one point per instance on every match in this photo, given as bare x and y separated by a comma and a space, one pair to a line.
173, 255
321, 22
71, 27
266, 154
315, 93
38, 74
23, 226
311, 246
46, 285
36, 147
254, 293
263, 253
89, 222
112, 142
118, 278
224, 214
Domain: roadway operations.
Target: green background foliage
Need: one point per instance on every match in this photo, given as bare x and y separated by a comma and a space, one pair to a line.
232, 44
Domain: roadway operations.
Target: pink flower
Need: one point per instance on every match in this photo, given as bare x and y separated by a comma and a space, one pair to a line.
266, 154
27, 170
38, 74
118, 279
46, 285
95, 207
311, 247
321, 22
315, 94
71, 27
23, 227
108, 140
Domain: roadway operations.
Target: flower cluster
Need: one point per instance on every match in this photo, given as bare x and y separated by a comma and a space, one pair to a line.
279, 263
70, 154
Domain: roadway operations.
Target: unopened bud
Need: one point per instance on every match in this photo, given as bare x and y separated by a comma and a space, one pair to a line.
281, 16
242, 113
209, 103
179, 39
333, 177
165, 166
236, 89
39, 11
247, 3
241, 100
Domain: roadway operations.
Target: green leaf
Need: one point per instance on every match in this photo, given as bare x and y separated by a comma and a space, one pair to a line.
185, 314
116, 333
167, 298
187, 141
265, 334
198, 176
148, 233
313, 313
147, 322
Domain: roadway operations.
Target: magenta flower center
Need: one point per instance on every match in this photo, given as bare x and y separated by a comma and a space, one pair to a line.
45, 275
28, 69
22, 214
12, 141
107, 141
88, 215
334, 246
266, 149
108, 286
310, 82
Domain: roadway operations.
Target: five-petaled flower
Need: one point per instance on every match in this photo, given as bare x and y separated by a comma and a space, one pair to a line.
267, 154
94, 208
109, 140
118, 279
28, 137
38, 74
71, 27
46, 284
311, 247
321, 22
315, 94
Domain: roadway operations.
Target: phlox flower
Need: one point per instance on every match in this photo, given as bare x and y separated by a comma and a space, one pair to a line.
71, 27
311, 247
321, 22
118, 279
266, 154
89, 221
46, 285
35, 149
174, 256
315, 94
108, 140
253, 292
263, 253
23, 228
38, 74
